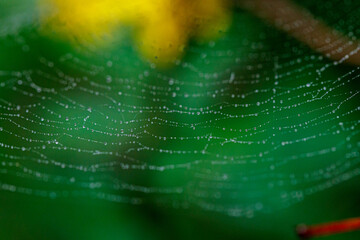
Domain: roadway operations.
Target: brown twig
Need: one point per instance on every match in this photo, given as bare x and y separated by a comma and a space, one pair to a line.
299, 23
325, 229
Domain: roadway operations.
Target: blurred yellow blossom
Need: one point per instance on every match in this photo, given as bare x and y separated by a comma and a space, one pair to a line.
162, 27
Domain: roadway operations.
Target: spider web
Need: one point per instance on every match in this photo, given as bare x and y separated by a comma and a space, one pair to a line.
253, 122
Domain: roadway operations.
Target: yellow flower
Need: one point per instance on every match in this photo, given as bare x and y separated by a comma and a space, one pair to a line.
162, 27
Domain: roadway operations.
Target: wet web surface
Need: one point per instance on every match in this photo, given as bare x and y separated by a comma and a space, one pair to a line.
253, 122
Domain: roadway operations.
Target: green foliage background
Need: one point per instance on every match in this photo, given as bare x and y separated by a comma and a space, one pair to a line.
58, 209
